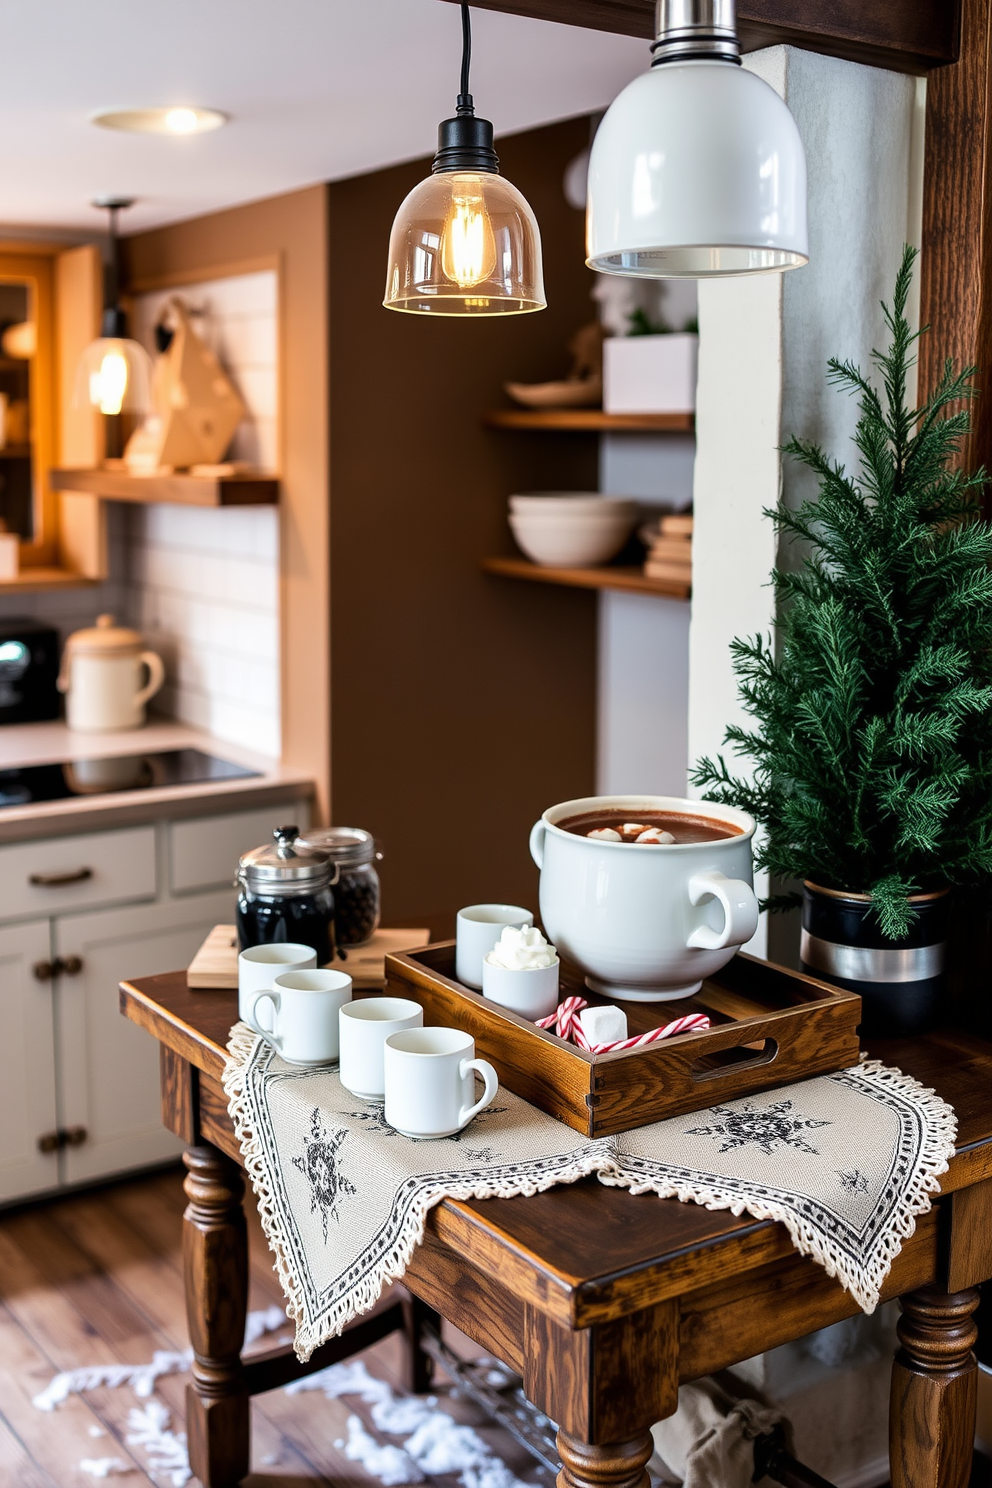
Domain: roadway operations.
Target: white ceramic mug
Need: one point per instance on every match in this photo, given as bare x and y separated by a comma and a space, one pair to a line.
259, 966
430, 1081
477, 929
305, 1007
646, 923
364, 1029
531, 992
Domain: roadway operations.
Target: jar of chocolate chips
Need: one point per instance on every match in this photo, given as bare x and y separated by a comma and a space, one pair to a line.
285, 894
354, 854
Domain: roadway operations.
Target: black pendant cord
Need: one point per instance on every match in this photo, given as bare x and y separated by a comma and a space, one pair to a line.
465, 104
114, 319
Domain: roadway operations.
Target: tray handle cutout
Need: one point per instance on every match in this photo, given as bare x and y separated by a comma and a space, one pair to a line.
734, 1057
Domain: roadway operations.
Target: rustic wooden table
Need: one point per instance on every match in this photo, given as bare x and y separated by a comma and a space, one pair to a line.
603, 1302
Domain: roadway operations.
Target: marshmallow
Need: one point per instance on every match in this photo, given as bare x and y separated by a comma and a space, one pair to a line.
631, 829
603, 1025
606, 833
655, 834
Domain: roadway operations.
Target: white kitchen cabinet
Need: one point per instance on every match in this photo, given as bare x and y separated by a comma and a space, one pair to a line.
107, 1067
78, 1077
28, 1109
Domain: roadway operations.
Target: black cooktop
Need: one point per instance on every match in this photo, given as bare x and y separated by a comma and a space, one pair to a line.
119, 772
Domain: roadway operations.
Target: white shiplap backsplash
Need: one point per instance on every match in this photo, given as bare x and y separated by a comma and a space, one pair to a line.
203, 583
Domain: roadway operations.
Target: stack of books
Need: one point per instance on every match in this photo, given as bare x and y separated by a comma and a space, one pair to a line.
670, 554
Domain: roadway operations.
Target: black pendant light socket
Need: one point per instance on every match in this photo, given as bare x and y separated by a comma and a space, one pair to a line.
465, 143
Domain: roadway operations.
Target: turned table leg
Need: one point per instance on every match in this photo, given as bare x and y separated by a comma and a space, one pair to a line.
215, 1269
614, 1465
934, 1390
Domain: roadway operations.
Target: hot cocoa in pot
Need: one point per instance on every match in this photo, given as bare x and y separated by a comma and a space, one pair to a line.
648, 828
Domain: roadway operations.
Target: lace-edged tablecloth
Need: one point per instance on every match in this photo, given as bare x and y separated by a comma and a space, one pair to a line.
846, 1162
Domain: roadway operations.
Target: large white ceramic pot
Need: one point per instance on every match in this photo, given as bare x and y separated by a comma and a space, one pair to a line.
645, 923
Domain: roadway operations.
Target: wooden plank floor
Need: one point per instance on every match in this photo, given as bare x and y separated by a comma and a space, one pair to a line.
96, 1278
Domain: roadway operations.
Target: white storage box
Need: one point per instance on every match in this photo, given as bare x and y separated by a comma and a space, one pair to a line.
650, 374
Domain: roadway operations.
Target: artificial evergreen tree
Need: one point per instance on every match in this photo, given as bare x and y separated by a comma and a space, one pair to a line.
872, 747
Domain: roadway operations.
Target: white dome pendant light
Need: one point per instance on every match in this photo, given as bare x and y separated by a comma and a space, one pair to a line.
465, 242
697, 169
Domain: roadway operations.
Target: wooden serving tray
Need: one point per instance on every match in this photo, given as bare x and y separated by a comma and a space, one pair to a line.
770, 1026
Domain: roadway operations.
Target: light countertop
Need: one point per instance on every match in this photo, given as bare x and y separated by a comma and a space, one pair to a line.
47, 743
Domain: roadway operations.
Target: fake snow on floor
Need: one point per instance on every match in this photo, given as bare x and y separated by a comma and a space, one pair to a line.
433, 1445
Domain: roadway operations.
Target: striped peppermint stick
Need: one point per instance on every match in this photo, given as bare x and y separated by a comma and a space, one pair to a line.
567, 1026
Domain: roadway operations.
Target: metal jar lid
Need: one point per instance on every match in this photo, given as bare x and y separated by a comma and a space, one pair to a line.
346, 846
285, 866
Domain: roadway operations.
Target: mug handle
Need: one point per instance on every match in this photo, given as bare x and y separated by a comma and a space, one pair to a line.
156, 677
268, 1034
488, 1095
537, 842
740, 908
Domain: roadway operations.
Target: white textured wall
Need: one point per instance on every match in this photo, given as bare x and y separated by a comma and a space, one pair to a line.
764, 343
203, 584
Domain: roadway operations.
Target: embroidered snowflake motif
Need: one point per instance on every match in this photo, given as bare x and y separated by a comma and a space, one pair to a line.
764, 1127
852, 1180
319, 1165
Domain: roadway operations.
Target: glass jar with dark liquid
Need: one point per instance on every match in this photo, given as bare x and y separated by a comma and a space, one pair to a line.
285, 894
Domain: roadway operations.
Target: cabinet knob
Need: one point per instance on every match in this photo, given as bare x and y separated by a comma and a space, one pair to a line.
43, 971
56, 880
49, 1142
69, 965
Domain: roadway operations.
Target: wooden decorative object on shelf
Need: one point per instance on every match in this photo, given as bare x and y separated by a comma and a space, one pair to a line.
237, 489
590, 421
215, 965
630, 580
770, 1027
669, 557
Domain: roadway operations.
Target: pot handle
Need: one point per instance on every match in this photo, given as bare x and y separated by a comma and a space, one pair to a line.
740, 909
156, 676
537, 842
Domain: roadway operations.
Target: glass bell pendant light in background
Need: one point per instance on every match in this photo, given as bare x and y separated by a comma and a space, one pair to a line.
115, 372
465, 242
697, 169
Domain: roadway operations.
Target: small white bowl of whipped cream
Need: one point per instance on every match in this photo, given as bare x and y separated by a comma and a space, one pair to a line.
521, 973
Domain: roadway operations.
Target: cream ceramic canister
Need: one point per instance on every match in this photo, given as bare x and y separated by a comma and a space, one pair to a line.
102, 679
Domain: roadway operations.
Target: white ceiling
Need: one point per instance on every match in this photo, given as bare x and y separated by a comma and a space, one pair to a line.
316, 89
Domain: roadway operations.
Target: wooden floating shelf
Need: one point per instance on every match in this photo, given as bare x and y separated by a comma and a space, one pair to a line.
31, 580
590, 421
631, 580
179, 489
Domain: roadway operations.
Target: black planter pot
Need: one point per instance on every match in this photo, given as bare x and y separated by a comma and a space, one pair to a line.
900, 982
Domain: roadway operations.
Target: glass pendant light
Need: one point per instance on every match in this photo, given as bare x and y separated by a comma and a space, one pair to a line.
115, 373
465, 242
697, 169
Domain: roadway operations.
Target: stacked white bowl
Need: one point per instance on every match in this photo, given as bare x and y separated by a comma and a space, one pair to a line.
567, 528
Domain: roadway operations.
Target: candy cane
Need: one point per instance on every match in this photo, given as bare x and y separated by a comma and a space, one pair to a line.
568, 1027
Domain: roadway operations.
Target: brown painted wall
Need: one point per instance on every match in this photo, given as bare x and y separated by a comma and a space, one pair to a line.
462, 704
289, 233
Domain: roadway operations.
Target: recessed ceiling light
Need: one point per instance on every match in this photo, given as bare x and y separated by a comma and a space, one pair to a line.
180, 119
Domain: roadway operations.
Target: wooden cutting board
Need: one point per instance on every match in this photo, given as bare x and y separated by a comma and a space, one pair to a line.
215, 964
